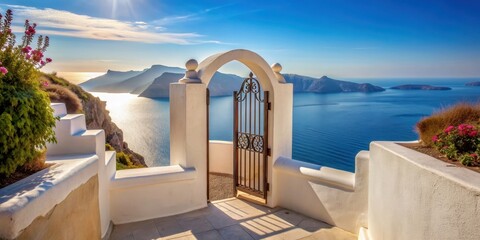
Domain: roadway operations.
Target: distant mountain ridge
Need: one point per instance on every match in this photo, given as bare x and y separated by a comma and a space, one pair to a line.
110, 77
327, 85
154, 83
128, 82
221, 85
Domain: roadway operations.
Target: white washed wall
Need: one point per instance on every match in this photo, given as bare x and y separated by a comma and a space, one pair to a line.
415, 196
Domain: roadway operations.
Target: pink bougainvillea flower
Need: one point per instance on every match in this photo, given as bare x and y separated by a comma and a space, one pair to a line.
26, 49
49, 60
37, 55
30, 30
28, 56
474, 155
3, 70
45, 83
449, 129
473, 133
435, 138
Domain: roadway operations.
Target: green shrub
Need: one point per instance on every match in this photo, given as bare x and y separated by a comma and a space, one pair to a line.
109, 147
26, 119
460, 143
455, 115
124, 159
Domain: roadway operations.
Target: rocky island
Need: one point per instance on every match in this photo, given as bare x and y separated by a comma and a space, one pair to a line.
328, 85
419, 87
473, 84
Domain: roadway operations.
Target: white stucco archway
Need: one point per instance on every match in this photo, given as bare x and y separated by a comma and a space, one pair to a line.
188, 124
267, 77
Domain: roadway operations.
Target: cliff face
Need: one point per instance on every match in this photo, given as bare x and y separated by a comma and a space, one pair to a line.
97, 117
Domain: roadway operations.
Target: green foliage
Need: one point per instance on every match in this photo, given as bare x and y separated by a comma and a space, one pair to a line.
109, 147
121, 166
460, 143
124, 162
26, 119
468, 159
124, 159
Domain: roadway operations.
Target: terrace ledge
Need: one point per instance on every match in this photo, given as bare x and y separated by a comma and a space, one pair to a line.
152, 175
330, 176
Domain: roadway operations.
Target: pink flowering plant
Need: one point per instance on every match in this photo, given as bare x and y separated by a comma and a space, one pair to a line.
21, 61
460, 143
26, 119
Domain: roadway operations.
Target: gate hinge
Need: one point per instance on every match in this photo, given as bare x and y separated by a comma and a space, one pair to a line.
267, 187
269, 106
269, 152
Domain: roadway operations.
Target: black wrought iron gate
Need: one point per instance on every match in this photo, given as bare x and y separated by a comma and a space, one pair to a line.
250, 138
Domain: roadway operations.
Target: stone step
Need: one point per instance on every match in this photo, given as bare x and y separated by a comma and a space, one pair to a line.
74, 123
59, 109
83, 142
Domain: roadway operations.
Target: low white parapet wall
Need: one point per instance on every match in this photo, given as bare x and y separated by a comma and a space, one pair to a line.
415, 196
44, 199
146, 193
330, 195
221, 157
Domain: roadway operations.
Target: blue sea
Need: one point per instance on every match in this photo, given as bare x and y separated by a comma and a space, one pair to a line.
328, 129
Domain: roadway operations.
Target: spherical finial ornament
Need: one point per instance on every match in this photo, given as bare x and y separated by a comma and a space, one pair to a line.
191, 65
277, 67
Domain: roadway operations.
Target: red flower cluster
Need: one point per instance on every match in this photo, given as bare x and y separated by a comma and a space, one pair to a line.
30, 30
460, 143
467, 130
3, 70
27, 49
34, 55
449, 129
37, 55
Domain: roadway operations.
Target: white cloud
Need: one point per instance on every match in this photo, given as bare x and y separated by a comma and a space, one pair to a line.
64, 23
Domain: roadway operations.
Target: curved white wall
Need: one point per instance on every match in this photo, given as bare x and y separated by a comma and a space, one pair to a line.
221, 157
415, 196
330, 195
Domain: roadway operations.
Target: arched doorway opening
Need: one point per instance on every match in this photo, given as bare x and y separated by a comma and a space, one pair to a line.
189, 143
237, 133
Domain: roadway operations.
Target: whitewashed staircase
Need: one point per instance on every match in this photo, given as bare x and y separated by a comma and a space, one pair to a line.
73, 139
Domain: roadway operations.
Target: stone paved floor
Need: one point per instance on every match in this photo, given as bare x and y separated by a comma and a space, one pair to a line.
232, 219
221, 186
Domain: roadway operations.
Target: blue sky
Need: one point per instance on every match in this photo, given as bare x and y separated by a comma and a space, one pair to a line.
338, 38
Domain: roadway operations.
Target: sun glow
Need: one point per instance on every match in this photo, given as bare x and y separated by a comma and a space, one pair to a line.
121, 7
